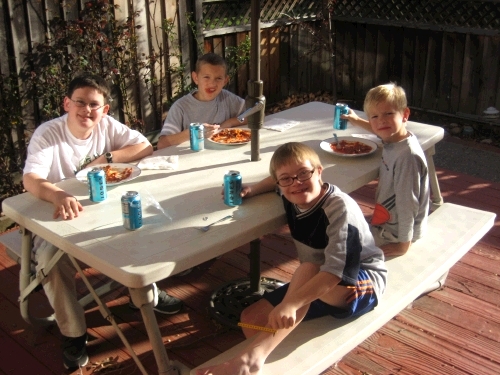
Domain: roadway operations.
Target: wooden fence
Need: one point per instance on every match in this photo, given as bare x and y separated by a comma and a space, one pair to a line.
450, 70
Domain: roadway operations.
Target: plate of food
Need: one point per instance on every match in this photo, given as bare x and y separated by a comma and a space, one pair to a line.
116, 173
349, 146
231, 137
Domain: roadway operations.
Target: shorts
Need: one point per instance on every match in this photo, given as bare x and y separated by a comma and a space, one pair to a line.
360, 301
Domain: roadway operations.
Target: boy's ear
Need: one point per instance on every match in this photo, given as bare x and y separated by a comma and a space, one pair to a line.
194, 76
66, 101
406, 114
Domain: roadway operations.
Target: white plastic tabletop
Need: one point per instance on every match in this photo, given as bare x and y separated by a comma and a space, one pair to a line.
169, 242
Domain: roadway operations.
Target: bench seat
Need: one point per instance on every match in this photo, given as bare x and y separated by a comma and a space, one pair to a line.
316, 345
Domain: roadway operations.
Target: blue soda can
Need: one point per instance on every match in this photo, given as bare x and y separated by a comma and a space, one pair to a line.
232, 188
96, 179
196, 137
338, 123
131, 210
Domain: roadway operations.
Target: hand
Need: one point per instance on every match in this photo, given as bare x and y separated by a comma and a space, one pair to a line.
351, 116
210, 129
246, 191
67, 206
283, 316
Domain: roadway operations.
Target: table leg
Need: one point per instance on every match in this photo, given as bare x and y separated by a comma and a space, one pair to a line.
227, 302
436, 198
144, 298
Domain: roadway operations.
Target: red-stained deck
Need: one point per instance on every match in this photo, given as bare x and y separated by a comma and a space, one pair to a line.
455, 330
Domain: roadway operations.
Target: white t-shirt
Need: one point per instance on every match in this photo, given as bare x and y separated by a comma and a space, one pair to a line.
54, 153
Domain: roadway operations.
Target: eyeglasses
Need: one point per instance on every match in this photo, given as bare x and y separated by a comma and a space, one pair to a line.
301, 177
92, 106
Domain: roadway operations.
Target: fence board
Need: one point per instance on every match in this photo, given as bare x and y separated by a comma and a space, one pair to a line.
467, 98
284, 61
274, 66
445, 78
431, 74
370, 58
407, 63
488, 75
265, 51
359, 47
294, 59
457, 73
243, 71
382, 61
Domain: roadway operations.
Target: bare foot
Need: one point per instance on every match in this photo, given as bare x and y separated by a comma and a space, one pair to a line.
235, 366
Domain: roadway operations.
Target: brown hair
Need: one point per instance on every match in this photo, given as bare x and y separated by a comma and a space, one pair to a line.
292, 152
212, 59
89, 80
389, 92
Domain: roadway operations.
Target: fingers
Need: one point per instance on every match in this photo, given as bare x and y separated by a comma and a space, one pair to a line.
68, 209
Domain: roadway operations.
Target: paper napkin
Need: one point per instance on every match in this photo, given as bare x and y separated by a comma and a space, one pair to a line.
279, 124
159, 162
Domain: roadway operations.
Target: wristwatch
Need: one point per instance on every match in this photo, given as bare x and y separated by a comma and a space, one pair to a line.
109, 157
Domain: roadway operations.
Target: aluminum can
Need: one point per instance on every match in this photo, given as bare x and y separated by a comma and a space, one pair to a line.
338, 123
232, 188
96, 179
131, 210
196, 136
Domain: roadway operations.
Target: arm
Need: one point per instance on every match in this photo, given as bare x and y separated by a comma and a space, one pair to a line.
395, 249
173, 139
232, 122
263, 186
354, 119
66, 205
126, 154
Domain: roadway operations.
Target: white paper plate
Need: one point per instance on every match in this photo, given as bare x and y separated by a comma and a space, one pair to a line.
229, 144
82, 175
325, 145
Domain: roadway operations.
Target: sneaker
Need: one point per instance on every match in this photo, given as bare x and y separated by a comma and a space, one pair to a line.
75, 352
167, 304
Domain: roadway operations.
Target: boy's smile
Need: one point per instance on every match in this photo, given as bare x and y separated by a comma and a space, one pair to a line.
304, 193
388, 123
210, 80
82, 119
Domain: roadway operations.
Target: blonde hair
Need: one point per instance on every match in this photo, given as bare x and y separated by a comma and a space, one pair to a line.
389, 92
292, 152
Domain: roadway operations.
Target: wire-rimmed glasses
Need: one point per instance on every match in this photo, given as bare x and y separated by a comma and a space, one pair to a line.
92, 106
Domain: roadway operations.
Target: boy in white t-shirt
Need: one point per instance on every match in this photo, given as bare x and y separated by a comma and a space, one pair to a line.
59, 148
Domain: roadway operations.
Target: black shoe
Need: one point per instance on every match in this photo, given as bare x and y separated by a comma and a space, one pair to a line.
167, 304
75, 352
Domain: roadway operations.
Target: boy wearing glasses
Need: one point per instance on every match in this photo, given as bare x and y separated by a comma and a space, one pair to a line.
341, 273
59, 148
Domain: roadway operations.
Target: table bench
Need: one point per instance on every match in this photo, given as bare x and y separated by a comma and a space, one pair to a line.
316, 345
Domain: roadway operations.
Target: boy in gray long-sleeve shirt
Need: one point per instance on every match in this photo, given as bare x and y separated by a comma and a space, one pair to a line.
402, 198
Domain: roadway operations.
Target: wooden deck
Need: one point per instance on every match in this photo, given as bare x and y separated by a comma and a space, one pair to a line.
455, 330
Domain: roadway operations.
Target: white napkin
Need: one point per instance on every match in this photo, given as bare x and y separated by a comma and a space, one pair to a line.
280, 124
159, 162
370, 137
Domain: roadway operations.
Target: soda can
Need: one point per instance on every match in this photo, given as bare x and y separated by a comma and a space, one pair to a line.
131, 210
232, 188
97, 185
196, 136
339, 123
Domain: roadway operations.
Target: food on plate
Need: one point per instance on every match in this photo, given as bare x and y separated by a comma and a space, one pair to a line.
114, 174
350, 147
231, 136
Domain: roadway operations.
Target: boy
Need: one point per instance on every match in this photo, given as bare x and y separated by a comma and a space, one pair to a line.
402, 197
210, 104
341, 273
59, 148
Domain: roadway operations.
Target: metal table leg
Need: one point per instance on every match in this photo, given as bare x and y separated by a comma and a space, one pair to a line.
144, 298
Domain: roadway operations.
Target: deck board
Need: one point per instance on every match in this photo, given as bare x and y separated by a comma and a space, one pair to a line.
455, 330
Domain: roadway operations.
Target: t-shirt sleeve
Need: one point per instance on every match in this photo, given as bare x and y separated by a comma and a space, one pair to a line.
173, 122
121, 135
407, 186
40, 156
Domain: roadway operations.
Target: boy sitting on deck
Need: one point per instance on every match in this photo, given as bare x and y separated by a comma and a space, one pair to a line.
341, 273
209, 104
402, 197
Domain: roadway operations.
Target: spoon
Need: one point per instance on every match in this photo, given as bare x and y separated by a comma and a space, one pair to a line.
207, 227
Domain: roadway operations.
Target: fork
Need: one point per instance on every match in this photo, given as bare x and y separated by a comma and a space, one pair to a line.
207, 227
336, 139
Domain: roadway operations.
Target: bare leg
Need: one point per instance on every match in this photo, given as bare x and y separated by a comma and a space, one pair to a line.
252, 358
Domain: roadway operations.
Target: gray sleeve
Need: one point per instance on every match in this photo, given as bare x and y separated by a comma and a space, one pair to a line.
174, 120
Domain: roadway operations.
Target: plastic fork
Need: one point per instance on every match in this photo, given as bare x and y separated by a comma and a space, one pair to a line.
207, 227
